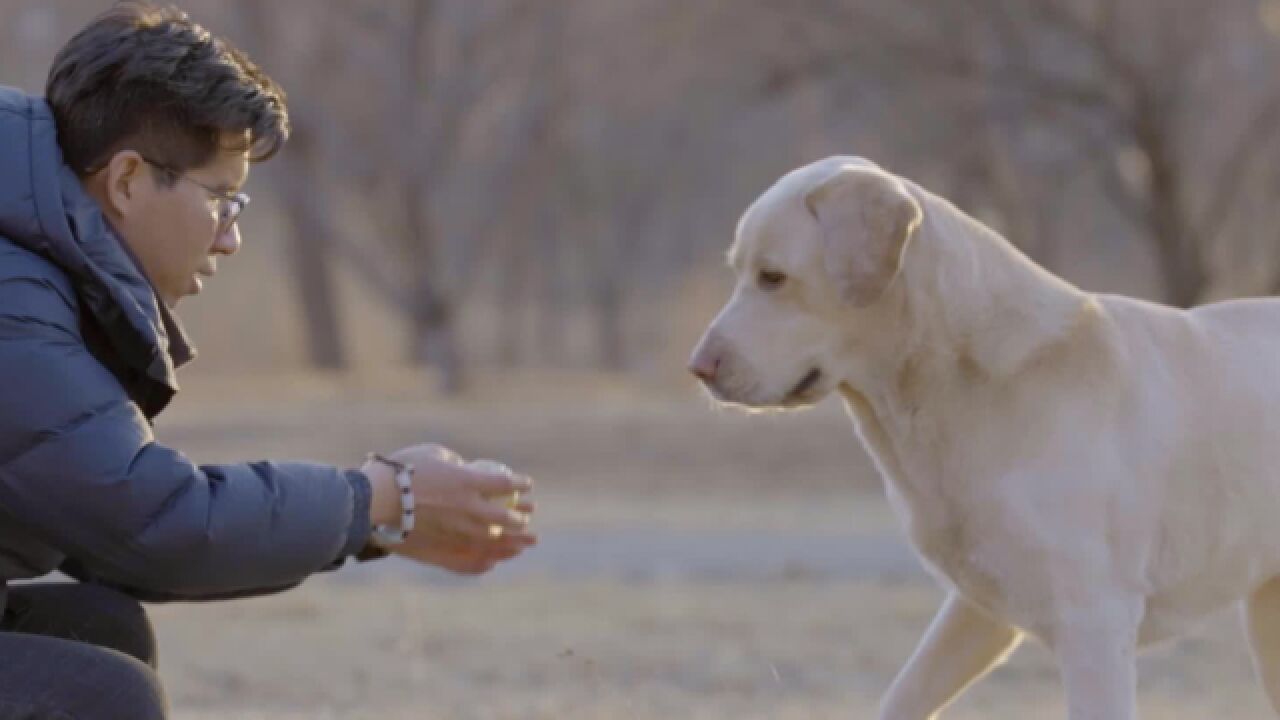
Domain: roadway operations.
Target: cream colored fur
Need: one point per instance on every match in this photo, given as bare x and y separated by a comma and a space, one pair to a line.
1092, 470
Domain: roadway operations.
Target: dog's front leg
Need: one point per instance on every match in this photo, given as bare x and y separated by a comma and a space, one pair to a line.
961, 645
1096, 647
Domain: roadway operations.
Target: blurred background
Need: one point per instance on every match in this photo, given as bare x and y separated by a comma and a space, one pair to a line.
500, 225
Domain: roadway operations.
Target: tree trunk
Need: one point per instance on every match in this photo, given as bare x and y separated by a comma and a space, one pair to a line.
1182, 267
511, 302
310, 239
310, 252
552, 336
610, 335
434, 337
1178, 254
435, 340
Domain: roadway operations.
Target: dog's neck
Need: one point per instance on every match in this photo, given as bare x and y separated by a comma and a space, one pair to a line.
968, 311
967, 302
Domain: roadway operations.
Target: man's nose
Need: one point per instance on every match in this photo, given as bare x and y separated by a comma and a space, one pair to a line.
706, 359
228, 241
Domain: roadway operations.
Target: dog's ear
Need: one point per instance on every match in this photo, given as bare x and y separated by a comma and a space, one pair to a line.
866, 216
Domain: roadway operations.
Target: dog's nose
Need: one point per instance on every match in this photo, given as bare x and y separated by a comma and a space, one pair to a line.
704, 365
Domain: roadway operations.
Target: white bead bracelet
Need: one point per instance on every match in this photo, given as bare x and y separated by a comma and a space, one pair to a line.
385, 535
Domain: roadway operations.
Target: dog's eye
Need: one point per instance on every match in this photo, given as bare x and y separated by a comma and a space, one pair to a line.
770, 279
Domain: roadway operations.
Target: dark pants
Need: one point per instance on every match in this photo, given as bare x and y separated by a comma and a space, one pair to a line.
77, 652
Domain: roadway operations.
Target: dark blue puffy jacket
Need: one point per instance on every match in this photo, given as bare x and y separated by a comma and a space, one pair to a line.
87, 360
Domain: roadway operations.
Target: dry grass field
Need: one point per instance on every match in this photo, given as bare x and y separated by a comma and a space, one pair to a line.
694, 564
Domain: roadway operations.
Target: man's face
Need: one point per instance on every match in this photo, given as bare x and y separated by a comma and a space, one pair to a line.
173, 227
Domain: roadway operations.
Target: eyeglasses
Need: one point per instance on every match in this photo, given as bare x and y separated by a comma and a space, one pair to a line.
230, 205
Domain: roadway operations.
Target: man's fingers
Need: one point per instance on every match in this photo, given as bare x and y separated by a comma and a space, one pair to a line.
463, 563
476, 522
444, 454
478, 567
461, 528
507, 525
521, 538
492, 513
473, 562
495, 484
469, 558
508, 550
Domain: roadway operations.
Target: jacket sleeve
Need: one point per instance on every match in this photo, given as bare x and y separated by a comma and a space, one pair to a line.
79, 467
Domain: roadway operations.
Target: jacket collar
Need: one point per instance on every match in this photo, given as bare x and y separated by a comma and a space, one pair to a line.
44, 208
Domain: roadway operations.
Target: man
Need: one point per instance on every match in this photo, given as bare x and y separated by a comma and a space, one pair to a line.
119, 195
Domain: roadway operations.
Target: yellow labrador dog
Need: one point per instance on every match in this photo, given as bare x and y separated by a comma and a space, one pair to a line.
1092, 470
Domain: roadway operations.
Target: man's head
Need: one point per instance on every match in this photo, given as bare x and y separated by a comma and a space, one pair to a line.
161, 119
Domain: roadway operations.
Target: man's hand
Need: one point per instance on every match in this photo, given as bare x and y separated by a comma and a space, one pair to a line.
461, 523
465, 557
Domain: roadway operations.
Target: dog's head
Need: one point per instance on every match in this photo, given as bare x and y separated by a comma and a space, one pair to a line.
825, 242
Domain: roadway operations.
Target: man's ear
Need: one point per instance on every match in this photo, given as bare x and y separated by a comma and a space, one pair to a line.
866, 216
121, 177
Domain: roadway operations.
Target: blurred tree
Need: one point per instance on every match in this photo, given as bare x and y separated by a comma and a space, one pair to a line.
1129, 88
383, 96
304, 192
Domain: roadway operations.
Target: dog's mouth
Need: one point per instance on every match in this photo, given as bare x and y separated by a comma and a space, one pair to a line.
805, 385
750, 397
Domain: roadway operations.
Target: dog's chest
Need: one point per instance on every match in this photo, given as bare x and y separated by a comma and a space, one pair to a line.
967, 525
978, 556
987, 576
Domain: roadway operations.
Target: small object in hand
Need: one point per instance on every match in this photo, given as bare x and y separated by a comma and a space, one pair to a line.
509, 500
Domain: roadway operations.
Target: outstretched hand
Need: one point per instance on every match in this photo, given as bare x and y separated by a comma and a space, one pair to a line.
462, 519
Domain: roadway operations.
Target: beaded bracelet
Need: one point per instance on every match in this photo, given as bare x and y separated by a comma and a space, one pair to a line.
385, 535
